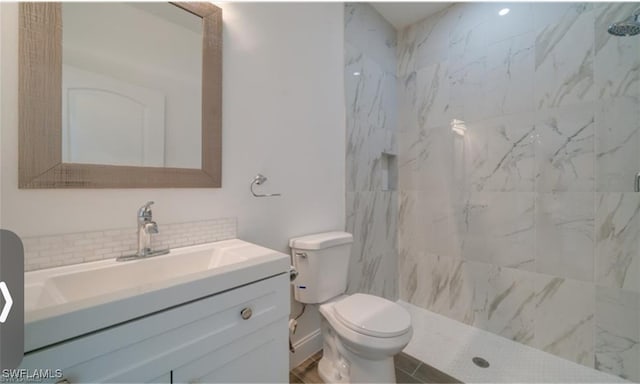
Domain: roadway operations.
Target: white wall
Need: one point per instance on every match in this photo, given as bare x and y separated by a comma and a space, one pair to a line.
283, 116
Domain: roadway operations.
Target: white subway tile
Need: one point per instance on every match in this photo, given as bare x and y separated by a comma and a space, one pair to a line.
65, 249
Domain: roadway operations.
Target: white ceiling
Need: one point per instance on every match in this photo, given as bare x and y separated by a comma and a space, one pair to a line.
402, 14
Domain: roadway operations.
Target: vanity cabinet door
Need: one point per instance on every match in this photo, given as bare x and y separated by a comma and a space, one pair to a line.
148, 349
260, 357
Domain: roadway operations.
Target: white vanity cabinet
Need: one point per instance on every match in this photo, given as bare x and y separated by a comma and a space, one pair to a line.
204, 340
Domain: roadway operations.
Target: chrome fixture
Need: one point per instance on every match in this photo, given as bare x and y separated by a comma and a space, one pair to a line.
628, 27
146, 228
259, 180
636, 183
246, 313
293, 273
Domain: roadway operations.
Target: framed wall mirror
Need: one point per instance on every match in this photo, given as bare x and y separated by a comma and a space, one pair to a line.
120, 95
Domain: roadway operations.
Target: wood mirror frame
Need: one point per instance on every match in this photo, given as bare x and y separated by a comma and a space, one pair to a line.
40, 111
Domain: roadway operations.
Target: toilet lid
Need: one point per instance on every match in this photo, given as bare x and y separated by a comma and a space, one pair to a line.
372, 315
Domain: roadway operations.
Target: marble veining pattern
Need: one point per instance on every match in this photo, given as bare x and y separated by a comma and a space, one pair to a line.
565, 149
509, 82
371, 218
499, 154
523, 223
565, 234
617, 144
564, 318
367, 30
468, 88
511, 306
433, 95
564, 62
371, 99
617, 237
618, 332
429, 222
456, 287
371, 119
432, 159
498, 228
617, 61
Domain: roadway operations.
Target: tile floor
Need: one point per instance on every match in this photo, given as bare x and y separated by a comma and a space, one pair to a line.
408, 370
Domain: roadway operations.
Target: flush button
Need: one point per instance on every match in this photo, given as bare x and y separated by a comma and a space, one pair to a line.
246, 313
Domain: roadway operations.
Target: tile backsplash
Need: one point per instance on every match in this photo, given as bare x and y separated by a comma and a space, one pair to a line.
65, 249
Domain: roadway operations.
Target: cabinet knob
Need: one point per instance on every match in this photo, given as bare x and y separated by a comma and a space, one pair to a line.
246, 313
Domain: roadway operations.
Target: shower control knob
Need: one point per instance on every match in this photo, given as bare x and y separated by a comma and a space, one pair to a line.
246, 313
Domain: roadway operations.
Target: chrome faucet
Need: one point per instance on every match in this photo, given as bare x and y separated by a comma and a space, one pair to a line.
146, 228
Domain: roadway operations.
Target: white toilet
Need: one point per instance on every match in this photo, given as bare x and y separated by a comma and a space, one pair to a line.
361, 333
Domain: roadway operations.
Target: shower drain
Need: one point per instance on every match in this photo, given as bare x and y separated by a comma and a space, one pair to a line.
480, 362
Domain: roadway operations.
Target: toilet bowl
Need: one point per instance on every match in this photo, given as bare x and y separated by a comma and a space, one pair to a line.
361, 333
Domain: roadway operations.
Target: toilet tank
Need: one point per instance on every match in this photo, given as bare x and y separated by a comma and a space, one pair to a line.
322, 262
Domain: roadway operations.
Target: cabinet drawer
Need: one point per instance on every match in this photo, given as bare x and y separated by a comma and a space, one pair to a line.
146, 348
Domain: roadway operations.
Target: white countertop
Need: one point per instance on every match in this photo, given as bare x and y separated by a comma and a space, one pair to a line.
50, 318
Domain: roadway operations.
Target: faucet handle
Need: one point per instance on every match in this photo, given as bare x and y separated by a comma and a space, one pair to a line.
145, 210
151, 227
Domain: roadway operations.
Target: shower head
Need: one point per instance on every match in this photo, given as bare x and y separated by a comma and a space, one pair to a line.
628, 27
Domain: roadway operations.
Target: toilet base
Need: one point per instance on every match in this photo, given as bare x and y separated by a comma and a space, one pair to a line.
341, 365
327, 373
381, 371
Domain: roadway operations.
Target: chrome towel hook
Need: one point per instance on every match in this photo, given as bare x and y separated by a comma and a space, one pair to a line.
258, 180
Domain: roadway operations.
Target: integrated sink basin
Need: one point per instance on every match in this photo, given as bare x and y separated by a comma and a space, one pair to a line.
78, 282
78, 299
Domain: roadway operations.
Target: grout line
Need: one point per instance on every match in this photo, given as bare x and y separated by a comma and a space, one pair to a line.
296, 376
405, 371
312, 362
415, 370
415, 379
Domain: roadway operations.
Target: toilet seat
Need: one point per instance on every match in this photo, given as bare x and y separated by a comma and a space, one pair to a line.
372, 316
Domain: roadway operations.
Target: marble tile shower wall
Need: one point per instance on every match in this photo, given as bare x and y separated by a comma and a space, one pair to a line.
371, 102
518, 143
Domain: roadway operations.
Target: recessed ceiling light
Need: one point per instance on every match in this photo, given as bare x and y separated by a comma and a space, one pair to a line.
503, 11
356, 73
